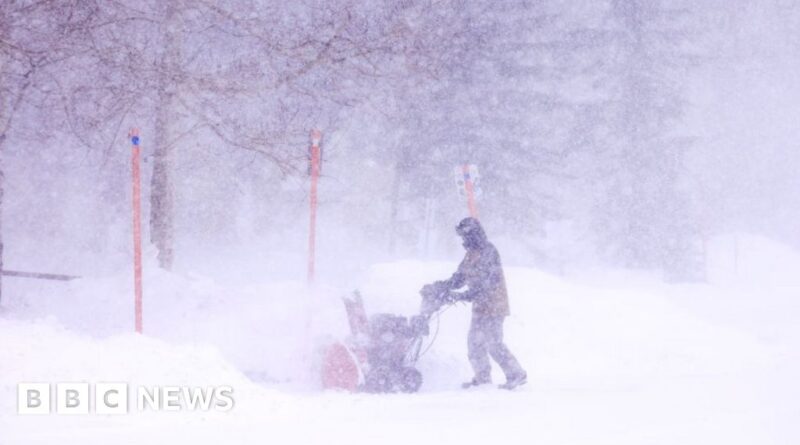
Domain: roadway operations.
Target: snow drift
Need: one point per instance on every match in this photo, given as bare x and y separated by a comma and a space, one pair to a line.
617, 358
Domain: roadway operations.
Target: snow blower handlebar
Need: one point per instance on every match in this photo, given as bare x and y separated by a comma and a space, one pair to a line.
434, 296
440, 293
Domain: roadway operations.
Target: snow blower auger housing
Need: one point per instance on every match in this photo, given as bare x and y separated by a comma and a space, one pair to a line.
381, 353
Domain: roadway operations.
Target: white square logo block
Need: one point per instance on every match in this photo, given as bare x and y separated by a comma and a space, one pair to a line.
72, 398
111, 398
33, 398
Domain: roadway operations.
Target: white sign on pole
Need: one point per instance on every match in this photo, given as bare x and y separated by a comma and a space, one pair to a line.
461, 177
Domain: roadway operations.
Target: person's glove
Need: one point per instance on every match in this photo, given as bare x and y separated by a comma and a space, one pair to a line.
466, 296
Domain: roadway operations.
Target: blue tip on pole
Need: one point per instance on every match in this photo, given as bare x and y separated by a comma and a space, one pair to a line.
135, 140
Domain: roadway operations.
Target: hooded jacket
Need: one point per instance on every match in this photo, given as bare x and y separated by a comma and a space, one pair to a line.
481, 271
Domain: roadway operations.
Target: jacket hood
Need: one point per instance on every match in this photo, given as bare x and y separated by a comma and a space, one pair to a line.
472, 234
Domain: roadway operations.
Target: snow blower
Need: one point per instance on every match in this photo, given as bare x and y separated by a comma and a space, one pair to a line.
381, 353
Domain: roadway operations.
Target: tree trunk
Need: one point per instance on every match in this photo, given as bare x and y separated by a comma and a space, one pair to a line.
393, 212
162, 192
162, 199
401, 165
3, 131
2, 187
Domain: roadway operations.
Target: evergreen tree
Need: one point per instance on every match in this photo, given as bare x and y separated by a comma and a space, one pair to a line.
643, 217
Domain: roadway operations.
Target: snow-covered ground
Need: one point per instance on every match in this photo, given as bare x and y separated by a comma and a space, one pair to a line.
613, 358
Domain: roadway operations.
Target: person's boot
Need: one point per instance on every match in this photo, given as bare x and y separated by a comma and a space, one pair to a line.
515, 381
476, 381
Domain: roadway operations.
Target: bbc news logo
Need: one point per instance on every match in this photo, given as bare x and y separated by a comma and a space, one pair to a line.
113, 398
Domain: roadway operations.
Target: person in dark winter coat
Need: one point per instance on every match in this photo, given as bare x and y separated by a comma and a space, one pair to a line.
482, 274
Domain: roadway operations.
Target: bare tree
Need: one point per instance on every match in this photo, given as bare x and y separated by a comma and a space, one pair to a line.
35, 38
256, 76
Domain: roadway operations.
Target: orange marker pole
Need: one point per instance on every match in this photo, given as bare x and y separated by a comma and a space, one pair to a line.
137, 228
316, 136
469, 186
